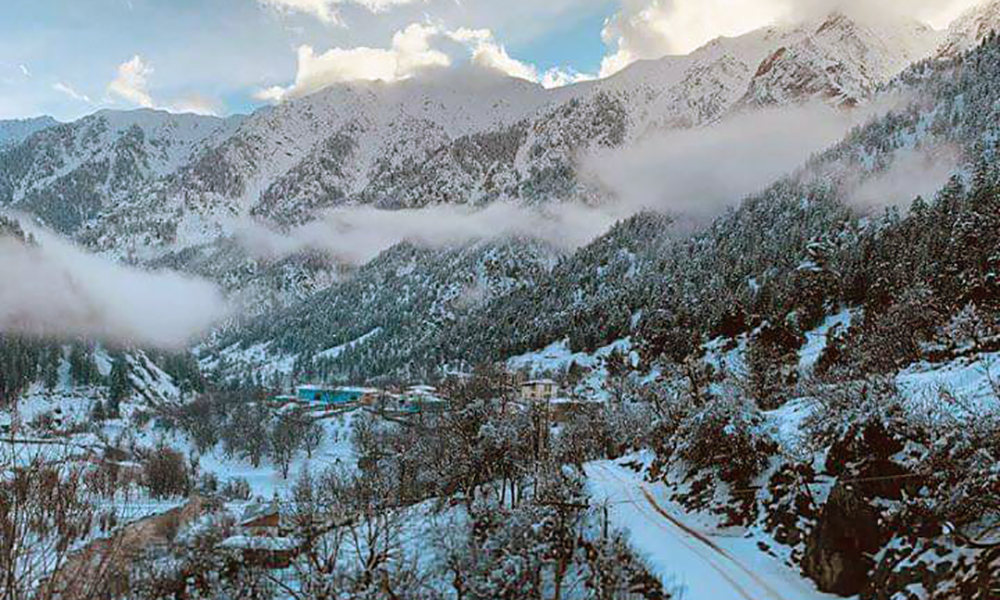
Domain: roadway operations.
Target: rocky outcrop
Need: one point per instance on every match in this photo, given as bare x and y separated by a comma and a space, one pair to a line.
839, 551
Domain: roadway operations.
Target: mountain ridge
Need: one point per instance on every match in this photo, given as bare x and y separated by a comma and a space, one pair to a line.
148, 187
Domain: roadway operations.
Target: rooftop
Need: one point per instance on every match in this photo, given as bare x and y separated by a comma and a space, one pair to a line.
332, 388
241, 542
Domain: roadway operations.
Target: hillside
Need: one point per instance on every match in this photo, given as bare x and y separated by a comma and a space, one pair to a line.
641, 273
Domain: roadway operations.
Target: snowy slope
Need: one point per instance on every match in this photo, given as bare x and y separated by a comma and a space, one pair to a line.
971, 28
838, 59
67, 174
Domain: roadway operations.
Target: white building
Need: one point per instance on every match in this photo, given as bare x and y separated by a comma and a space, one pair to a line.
539, 390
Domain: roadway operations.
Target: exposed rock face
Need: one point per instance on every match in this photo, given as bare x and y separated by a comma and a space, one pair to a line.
838, 552
840, 60
850, 531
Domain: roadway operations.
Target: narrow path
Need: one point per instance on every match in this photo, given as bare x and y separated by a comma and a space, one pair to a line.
707, 566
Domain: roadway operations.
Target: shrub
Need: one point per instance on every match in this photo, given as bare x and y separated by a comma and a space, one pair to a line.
165, 473
845, 403
726, 433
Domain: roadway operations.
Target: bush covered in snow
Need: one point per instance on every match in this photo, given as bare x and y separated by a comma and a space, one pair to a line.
727, 434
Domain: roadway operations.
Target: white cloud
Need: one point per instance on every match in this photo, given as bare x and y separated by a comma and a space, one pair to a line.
409, 53
487, 52
67, 89
554, 78
326, 10
273, 94
911, 173
356, 235
24, 70
56, 289
132, 86
413, 49
197, 104
698, 173
649, 29
132, 81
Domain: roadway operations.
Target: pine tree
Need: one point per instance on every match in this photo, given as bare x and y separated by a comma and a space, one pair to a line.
51, 368
18, 366
119, 386
81, 365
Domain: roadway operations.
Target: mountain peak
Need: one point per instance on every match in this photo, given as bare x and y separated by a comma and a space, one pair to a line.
15, 131
971, 28
840, 57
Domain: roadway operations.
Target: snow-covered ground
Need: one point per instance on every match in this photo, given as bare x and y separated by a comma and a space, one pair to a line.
690, 550
970, 379
266, 480
816, 339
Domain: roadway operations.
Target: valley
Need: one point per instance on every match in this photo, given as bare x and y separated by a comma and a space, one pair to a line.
464, 336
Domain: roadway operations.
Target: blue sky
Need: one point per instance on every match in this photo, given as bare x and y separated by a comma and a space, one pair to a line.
575, 44
222, 51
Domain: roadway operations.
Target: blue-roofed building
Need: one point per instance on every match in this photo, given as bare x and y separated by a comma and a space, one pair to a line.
331, 395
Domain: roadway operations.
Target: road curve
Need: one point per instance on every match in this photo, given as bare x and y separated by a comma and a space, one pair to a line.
730, 569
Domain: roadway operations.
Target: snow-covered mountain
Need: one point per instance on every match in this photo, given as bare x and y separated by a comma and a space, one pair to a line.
70, 173
149, 186
838, 59
970, 29
13, 132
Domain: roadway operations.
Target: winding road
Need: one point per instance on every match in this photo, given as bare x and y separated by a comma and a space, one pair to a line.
705, 565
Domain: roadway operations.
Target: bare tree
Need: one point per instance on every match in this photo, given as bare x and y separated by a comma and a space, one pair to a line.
165, 473
247, 433
286, 438
44, 514
312, 437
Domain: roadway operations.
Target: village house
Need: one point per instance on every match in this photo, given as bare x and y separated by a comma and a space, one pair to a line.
335, 395
261, 519
420, 399
539, 390
273, 553
260, 537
